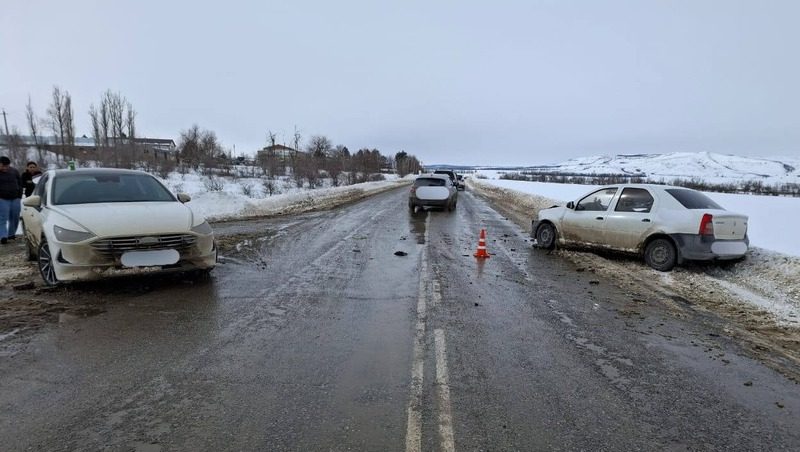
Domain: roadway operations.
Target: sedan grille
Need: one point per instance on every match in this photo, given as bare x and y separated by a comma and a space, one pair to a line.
117, 246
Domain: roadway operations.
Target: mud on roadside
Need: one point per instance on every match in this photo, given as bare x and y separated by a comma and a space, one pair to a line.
729, 293
26, 304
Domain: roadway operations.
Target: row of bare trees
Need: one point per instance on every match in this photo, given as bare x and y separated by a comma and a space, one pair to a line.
114, 121
113, 127
323, 159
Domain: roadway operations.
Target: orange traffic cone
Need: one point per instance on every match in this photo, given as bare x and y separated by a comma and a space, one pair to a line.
481, 252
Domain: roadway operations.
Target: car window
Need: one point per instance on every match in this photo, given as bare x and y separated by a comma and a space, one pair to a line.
634, 200
692, 199
597, 201
91, 188
39, 189
430, 182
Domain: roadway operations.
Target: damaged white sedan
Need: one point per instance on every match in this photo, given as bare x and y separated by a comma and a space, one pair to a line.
89, 223
664, 224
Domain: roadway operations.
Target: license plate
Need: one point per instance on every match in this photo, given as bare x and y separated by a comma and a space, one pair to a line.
150, 258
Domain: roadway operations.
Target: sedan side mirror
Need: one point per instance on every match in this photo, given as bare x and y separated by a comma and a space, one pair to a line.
184, 198
32, 201
570, 205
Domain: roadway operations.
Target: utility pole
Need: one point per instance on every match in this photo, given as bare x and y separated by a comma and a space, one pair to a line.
5, 121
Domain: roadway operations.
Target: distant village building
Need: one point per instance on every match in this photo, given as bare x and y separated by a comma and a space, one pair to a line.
280, 151
85, 148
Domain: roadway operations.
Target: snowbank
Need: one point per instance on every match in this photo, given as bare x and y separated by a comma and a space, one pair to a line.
247, 197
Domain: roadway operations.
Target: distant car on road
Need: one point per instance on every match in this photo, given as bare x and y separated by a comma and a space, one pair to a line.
460, 179
664, 224
80, 224
432, 190
452, 175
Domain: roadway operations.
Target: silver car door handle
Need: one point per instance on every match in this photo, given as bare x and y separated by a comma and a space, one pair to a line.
598, 218
646, 220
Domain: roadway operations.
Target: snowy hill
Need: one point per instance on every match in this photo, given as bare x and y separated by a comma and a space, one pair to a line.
711, 167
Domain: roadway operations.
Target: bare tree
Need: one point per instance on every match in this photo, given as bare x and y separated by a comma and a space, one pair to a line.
16, 148
33, 126
320, 146
405, 163
116, 112
198, 146
297, 138
105, 117
114, 127
97, 134
69, 122
130, 121
57, 122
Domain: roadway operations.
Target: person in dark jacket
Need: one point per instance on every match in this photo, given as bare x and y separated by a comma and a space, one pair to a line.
10, 200
31, 171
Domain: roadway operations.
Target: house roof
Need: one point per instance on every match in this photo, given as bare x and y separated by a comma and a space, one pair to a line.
154, 140
278, 147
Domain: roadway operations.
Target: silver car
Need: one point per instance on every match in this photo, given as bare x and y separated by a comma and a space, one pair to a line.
433, 190
664, 224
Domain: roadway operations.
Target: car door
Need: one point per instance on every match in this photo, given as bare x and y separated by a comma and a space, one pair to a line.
32, 216
629, 221
584, 223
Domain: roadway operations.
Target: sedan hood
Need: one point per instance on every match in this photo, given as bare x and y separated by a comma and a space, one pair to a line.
129, 218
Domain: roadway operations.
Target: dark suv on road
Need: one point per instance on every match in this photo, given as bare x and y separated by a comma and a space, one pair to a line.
453, 178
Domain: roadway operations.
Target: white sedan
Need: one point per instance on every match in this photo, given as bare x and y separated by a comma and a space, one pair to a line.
665, 224
84, 224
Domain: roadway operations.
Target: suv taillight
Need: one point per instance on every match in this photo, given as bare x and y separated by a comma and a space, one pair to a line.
707, 225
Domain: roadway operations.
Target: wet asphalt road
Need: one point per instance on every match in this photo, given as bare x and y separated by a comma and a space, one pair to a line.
314, 335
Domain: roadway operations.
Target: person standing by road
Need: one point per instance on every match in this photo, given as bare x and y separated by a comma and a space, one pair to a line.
32, 170
10, 200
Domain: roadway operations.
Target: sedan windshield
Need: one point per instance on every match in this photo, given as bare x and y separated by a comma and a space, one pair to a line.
693, 199
89, 188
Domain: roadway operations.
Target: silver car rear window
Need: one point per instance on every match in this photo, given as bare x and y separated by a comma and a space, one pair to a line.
693, 199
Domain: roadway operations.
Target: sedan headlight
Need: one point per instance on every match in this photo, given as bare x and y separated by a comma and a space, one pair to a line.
70, 236
203, 228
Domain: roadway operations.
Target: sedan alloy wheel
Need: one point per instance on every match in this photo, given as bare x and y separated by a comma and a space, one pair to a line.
46, 268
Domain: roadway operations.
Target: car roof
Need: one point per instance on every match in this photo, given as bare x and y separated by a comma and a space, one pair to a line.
97, 171
433, 176
650, 186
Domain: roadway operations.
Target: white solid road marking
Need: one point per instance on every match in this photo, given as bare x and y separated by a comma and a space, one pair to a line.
442, 383
428, 287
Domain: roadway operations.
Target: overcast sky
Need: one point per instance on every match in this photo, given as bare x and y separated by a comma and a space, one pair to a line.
463, 82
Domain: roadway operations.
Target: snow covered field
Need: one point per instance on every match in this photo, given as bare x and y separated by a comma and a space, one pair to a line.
773, 220
708, 166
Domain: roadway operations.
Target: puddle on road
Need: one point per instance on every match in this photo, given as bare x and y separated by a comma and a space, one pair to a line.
417, 224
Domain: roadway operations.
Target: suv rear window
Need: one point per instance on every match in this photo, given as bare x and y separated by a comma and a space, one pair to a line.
429, 182
693, 199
